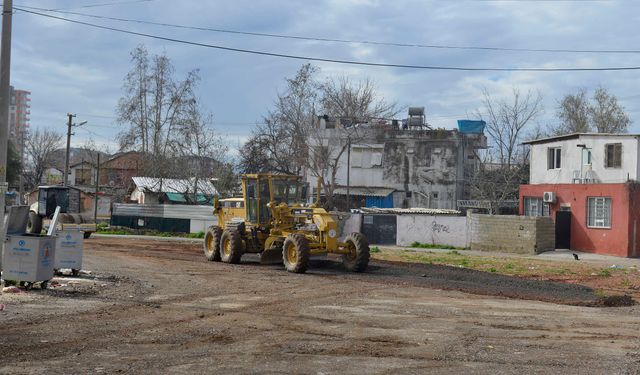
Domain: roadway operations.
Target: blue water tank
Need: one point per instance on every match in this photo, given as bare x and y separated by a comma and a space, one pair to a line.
471, 126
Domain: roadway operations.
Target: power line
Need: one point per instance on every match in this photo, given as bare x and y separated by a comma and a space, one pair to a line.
336, 61
333, 40
99, 5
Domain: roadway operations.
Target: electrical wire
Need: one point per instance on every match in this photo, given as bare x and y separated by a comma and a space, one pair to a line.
320, 39
99, 5
327, 60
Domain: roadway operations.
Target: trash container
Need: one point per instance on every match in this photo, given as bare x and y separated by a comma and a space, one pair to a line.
27, 258
69, 248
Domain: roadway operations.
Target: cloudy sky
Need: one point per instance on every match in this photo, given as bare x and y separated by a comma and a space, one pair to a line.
79, 69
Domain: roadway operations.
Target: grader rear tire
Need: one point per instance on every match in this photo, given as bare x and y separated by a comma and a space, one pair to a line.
212, 243
358, 258
34, 225
295, 253
231, 246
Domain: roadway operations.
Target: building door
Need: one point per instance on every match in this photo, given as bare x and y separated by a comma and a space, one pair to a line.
563, 229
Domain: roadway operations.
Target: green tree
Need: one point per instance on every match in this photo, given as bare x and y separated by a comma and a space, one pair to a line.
14, 167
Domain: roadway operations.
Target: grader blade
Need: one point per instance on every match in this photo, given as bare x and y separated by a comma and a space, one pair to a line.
271, 256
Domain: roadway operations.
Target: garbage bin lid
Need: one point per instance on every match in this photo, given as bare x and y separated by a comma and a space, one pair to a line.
17, 220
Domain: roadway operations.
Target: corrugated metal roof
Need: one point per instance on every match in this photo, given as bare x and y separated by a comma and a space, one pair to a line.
410, 211
170, 185
364, 191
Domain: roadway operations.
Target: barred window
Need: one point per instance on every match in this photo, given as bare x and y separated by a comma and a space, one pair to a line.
599, 212
533, 206
613, 155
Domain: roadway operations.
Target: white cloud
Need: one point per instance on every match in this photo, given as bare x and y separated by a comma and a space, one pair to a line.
72, 68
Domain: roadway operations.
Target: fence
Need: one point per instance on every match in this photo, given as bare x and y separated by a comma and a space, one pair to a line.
163, 217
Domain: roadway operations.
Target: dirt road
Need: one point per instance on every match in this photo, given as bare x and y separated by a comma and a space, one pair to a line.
159, 307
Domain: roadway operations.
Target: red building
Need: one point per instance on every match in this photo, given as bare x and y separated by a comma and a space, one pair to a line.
594, 218
588, 184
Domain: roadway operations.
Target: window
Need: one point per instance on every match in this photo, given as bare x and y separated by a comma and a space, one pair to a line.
554, 158
586, 156
599, 212
376, 159
533, 206
613, 155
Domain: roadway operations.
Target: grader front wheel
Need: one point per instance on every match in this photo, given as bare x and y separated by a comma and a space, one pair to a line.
357, 259
295, 253
212, 243
231, 246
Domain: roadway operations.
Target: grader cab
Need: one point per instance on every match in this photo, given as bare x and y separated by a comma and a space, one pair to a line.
270, 220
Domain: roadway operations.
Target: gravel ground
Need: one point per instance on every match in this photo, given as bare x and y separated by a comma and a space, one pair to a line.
159, 307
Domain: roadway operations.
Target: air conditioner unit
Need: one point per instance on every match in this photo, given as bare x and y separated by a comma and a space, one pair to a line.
549, 197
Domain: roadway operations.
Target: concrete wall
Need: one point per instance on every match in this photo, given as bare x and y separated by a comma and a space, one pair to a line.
572, 161
515, 234
440, 230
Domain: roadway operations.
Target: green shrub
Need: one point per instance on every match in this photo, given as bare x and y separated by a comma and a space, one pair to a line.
374, 249
604, 272
434, 246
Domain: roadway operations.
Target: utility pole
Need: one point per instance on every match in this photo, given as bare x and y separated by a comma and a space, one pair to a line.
21, 188
5, 79
70, 124
65, 178
349, 174
95, 207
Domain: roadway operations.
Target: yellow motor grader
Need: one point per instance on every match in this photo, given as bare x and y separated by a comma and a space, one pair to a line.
270, 220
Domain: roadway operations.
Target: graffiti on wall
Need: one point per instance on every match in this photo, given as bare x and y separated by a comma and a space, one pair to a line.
439, 228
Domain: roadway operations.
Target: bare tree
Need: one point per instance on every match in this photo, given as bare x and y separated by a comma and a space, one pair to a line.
573, 111
356, 104
602, 114
201, 152
504, 167
279, 145
290, 140
507, 120
326, 156
154, 107
606, 115
40, 147
498, 185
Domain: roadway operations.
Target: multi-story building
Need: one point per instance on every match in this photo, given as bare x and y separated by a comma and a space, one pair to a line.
19, 112
396, 164
588, 183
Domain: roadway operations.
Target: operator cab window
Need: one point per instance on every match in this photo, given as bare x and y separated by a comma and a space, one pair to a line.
252, 201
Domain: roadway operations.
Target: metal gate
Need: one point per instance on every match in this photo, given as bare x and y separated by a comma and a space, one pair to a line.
380, 229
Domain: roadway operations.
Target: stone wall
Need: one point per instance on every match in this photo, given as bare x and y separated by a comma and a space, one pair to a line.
437, 230
514, 234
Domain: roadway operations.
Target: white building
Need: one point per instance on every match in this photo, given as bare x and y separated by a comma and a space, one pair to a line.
394, 166
584, 158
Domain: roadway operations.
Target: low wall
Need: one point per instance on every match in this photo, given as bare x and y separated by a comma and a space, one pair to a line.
437, 230
163, 217
514, 234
